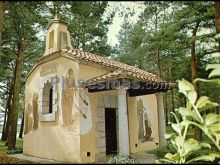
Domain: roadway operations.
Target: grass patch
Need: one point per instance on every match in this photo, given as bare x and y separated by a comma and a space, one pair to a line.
3, 148
7, 159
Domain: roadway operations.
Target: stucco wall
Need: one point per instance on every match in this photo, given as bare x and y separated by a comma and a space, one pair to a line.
94, 141
50, 140
88, 141
150, 102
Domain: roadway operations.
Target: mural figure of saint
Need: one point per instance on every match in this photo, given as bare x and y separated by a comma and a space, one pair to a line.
68, 93
144, 129
28, 119
147, 124
35, 110
140, 113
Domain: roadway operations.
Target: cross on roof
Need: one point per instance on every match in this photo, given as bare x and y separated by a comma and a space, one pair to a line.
57, 15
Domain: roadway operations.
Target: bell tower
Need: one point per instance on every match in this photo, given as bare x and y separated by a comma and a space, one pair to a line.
58, 37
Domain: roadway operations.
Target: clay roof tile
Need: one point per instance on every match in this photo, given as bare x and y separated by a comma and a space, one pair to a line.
120, 68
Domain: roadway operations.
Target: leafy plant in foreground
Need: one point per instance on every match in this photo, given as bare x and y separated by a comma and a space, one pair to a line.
191, 116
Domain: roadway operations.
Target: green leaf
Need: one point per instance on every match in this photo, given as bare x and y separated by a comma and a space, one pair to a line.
192, 95
188, 105
216, 125
214, 129
217, 36
168, 136
204, 103
164, 160
179, 141
212, 66
173, 157
177, 127
186, 122
189, 113
211, 157
191, 145
185, 86
216, 81
214, 73
176, 118
205, 145
211, 118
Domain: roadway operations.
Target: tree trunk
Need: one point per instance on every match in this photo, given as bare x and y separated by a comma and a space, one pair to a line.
8, 123
197, 131
12, 131
217, 19
7, 111
140, 64
166, 109
158, 64
172, 105
3, 138
22, 127
172, 95
158, 50
2, 14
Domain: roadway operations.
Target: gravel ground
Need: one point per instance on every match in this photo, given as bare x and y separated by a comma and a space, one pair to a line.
7, 159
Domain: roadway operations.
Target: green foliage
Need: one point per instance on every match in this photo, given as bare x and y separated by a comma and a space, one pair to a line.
122, 159
214, 73
191, 115
27, 21
89, 26
168, 27
23, 22
16, 150
19, 144
161, 152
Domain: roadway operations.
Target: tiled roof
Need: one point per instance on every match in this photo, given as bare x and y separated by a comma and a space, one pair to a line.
120, 74
120, 69
108, 76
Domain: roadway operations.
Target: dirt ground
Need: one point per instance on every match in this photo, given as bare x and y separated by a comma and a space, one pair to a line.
6, 159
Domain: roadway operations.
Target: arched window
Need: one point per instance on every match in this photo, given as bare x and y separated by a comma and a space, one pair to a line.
51, 101
64, 42
47, 107
51, 39
48, 99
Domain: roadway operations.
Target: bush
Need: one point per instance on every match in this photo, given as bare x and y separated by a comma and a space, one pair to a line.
161, 152
188, 150
17, 150
122, 159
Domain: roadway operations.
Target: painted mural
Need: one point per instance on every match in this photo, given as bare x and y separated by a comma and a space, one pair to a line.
31, 115
68, 94
75, 106
28, 119
35, 111
144, 124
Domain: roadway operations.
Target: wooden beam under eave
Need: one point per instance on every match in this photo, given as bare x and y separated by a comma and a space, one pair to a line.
139, 92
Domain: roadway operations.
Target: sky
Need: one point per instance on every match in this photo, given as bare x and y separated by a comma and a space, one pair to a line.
138, 7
